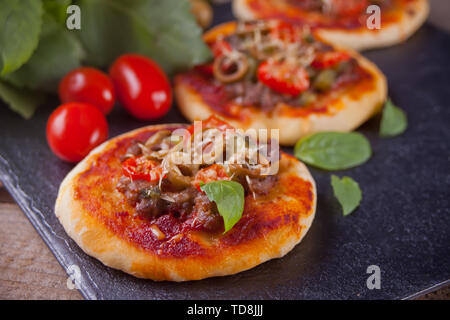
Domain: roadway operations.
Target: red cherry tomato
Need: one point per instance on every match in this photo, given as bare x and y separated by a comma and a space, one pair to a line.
219, 47
74, 129
328, 59
283, 77
348, 7
142, 169
141, 86
285, 31
88, 85
212, 122
215, 172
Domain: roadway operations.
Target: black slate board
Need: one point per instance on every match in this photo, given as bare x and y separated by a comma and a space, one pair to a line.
402, 225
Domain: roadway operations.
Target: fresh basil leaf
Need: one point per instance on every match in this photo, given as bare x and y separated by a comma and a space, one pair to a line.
393, 120
348, 193
165, 31
57, 8
333, 150
59, 52
20, 26
21, 101
229, 198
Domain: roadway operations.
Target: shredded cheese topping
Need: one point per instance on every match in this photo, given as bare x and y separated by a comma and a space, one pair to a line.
232, 149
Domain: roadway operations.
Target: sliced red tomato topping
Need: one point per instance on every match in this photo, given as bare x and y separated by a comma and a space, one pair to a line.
142, 169
284, 31
215, 172
212, 122
220, 47
207, 69
348, 7
283, 77
328, 59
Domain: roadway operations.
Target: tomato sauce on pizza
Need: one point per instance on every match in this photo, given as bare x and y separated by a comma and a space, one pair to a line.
264, 65
137, 193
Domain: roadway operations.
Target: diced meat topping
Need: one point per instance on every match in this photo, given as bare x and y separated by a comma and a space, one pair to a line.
176, 190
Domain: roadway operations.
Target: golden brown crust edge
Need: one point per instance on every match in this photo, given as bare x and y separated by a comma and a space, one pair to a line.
350, 112
362, 39
98, 241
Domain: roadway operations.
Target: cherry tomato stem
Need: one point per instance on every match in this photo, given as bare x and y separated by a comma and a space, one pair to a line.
283, 78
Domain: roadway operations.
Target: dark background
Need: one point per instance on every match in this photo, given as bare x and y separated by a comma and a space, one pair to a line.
402, 225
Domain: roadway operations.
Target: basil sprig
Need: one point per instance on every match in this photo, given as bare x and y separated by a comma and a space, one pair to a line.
21, 24
333, 150
347, 192
393, 120
37, 49
229, 198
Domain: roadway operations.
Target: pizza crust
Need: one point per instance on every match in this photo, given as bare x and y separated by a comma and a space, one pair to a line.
344, 114
100, 242
363, 38
392, 34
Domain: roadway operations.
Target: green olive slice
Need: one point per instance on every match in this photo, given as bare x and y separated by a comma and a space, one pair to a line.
229, 68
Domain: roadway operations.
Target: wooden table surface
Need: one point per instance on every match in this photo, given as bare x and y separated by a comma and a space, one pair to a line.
28, 270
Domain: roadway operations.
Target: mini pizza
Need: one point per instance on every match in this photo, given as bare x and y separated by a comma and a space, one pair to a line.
349, 23
141, 204
273, 75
